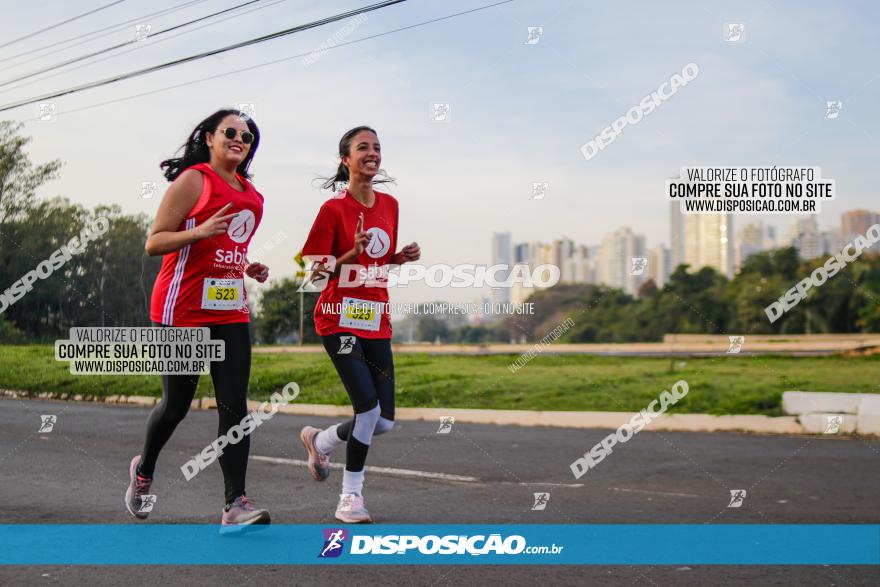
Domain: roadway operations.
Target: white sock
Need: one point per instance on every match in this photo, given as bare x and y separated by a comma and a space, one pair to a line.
327, 439
352, 482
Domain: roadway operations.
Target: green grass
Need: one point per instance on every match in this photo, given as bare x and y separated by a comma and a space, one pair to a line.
720, 385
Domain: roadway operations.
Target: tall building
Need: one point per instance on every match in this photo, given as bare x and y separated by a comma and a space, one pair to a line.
676, 236
519, 293
659, 265
531, 255
751, 239
563, 254
502, 254
701, 240
480, 316
562, 249
579, 267
614, 263
855, 222
804, 236
521, 253
832, 241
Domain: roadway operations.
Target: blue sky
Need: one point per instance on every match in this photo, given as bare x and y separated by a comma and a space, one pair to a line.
519, 113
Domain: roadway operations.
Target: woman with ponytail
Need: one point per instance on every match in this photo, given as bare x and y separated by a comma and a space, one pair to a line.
357, 228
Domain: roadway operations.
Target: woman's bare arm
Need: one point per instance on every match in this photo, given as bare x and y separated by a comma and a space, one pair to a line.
180, 198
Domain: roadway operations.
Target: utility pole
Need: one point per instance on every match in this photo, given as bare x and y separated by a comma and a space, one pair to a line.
301, 275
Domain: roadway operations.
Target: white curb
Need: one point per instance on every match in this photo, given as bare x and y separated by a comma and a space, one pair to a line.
559, 419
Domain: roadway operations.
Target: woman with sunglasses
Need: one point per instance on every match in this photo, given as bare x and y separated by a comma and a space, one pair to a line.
203, 228
359, 229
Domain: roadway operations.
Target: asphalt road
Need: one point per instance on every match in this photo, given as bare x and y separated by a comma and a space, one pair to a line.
78, 474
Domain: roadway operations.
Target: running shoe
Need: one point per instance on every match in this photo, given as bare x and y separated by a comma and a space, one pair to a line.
242, 512
351, 509
319, 463
138, 487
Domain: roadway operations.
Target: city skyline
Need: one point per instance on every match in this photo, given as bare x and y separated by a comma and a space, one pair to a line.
698, 240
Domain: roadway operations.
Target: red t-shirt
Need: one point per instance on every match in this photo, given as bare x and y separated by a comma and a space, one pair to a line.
203, 283
360, 309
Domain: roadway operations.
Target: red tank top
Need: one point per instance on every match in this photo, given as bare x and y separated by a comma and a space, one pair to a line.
203, 283
333, 234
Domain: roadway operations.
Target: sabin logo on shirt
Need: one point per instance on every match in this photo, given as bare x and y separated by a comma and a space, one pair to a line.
379, 244
241, 227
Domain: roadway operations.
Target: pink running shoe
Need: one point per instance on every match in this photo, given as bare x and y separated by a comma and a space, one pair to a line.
138, 487
319, 463
242, 512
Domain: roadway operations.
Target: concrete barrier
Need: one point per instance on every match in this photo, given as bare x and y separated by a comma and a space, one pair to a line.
796, 403
826, 424
858, 412
869, 415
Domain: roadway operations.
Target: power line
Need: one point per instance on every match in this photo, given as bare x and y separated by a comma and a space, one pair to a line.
112, 28
276, 61
120, 54
125, 44
182, 60
63, 22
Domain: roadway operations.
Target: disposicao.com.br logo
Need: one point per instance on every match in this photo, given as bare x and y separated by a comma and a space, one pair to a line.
431, 544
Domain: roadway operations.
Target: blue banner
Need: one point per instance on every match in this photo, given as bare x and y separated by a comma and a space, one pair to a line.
522, 544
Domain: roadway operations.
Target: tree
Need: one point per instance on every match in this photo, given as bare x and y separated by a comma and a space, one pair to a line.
431, 329
647, 289
97, 287
8, 332
551, 306
19, 178
278, 318
475, 334
119, 287
868, 315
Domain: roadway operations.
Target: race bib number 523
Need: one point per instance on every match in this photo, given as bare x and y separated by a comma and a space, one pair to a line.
223, 294
360, 314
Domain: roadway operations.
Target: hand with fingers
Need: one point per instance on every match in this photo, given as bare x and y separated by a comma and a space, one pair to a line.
216, 224
411, 252
361, 238
257, 271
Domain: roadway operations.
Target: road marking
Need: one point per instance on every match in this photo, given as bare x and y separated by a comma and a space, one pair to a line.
537, 484
628, 490
407, 473
412, 474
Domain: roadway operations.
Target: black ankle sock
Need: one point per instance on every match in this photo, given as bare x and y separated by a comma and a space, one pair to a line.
141, 473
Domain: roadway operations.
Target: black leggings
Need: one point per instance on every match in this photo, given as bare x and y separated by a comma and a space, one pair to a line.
230, 378
366, 367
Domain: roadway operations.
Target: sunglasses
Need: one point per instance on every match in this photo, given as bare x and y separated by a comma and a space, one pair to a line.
246, 137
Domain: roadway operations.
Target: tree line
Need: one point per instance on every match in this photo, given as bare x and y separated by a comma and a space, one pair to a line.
706, 302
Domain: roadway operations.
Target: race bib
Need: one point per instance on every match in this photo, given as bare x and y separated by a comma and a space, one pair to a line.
223, 294
360, 314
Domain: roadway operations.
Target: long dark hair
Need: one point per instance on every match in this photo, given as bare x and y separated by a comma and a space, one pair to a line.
195, 150
345, 151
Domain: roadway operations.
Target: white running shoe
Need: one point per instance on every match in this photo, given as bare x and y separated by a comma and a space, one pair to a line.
351, 509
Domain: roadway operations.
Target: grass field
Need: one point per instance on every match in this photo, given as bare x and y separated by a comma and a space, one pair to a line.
728, 384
